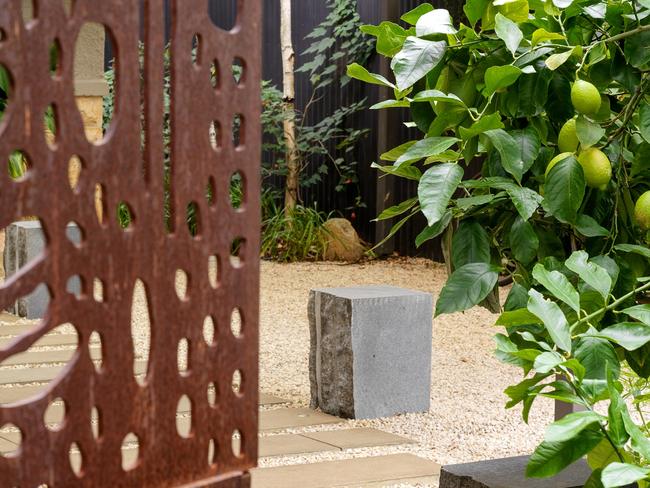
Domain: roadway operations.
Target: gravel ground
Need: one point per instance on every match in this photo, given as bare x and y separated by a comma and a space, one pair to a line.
467, 421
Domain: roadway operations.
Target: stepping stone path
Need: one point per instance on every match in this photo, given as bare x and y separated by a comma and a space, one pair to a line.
284, 430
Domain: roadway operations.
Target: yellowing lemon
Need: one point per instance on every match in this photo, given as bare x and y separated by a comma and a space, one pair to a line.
567, 139
597, 167
555, 160
642, 211
585, 97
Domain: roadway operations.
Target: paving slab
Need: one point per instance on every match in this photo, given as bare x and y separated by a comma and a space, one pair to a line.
43, 374
350, 472
6, 445
47, 357
509, 473
356, 438
8, 318
47, 340
269, 399
290, 444
286, 418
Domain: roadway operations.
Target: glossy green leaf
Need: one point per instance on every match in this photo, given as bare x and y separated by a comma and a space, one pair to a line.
466, 287
633, 248
589, 133
622, 474
437, 21
425, 148
415, 60
509, 32
498, 77
644, 120
436, 188
571, 425
412, 16
433, 231
523, 241
358, 72
396, 210
517, 317
564, 190
542, 35
553, 318
485, 123
390, 37
547, 362
508, 150
404, 171
629, 335
592, 274
552, 457
636, 49
588, 227
554, 61
559, 286
471, 244
639, 312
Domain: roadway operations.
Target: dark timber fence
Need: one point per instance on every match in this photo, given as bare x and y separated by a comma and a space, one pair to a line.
386, 127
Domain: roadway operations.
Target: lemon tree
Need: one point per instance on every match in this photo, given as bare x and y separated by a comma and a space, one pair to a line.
549, 98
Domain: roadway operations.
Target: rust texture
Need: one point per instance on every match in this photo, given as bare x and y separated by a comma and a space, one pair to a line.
130, 171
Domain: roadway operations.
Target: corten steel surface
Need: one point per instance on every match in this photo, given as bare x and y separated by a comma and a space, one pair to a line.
145, 251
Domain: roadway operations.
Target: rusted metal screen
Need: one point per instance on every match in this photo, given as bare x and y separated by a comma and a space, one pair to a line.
127, 169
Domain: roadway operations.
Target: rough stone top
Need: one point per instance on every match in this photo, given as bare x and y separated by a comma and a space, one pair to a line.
370, 291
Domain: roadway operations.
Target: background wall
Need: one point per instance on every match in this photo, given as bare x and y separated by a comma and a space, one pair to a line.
385, 132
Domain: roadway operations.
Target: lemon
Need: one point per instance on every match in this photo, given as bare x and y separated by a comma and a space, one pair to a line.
597, 167
642, 211
585, 97
555, 160
567, 139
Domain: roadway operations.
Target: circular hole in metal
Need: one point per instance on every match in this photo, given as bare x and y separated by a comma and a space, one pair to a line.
237, 443
213, 394
211, 192
213, 271
237, 190
239, 71
75, 165
193, 219
196, 49
50, 126
181, 284
215, 135
18, 165
125, 216
238, 130
212, 453
55, 58
15, 436
98, 290
237, 252
95, 423
214, 74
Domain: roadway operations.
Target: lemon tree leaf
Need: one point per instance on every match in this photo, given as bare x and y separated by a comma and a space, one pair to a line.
595, 276
564, 190
471, 244
622, 474
589, 133
358, 72
437, 21
498, 77
552, 457
508, 32
629, 335
542, 35
430, 146
436, 188
415, 60
554, 61
552, 317
466, 287
558, 285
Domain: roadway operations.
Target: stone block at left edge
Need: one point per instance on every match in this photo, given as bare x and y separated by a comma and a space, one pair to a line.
370, 354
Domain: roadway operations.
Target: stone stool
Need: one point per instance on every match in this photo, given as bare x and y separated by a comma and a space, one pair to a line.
370, 354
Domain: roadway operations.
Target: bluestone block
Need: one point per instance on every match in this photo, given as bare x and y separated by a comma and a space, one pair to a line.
370, 354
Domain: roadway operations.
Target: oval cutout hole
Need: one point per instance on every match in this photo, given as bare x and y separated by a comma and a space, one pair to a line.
196, 49
75, 286
223, 13
237, 443
184, 425
211, 192
74, 172
213, 271
18, 165
16, 439
95, 423
50, 125
5, 85
130, 451
55, 58
181, 283
212, 453
238, 71
95, 128
100, 208
238, 130
214, 74
193, 219
213, 394
125, 216
76, 459
236, 252
55, 414
215, 135
237, 190
140, 331
98, 290
208, 331
183, 356
237, 383
236, 323
96, 350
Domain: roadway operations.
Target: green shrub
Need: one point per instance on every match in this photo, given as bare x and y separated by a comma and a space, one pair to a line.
502, 93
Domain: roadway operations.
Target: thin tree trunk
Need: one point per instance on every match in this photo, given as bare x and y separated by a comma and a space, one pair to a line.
288, 82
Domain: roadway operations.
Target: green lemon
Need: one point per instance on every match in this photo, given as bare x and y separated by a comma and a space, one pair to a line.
597, 167
642, 211
585, 97
555, 160
567, 139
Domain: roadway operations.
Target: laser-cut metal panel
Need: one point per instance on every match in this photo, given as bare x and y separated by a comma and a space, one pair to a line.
145, 251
